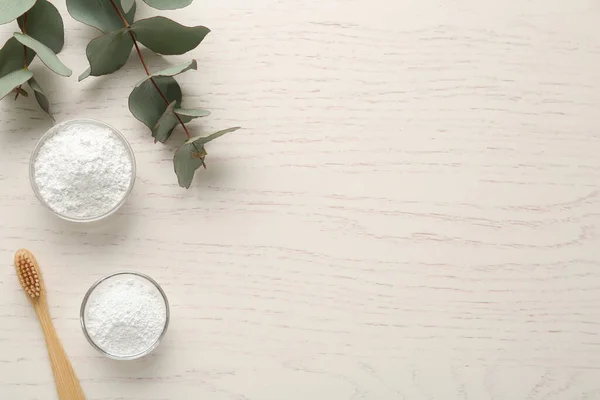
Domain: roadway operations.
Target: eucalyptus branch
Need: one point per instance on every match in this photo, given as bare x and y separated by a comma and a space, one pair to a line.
156, 99
41, 34
24, 30
140, 55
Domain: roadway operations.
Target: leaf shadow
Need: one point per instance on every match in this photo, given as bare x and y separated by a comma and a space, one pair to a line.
94, 83
215, 174
16, 130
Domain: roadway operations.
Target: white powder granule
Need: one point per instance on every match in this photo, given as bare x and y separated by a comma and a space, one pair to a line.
83, 170
125, 315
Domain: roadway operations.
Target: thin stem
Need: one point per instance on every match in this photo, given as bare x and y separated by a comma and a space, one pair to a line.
138, 51
24, 52
120, 14
25, 33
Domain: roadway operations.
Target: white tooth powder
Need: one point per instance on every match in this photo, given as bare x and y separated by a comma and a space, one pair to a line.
125, 315
83, 170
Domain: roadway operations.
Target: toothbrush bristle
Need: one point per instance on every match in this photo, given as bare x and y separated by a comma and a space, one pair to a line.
28, 273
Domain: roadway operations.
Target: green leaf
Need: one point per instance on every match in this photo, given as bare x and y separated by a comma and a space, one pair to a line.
168, 121
12, 80
45, 24
127, 4
187, 114
100, 14
11, 57
201, 141
108, 53
190, 156
171, 71
11, 9
40, 96
46, 54
164, 36
168, 4
85, 74
166, 124
147, 105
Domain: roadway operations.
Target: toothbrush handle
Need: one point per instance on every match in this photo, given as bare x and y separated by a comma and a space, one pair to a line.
67, 384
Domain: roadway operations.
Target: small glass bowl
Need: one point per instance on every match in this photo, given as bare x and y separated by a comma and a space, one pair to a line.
117, 356
54, 130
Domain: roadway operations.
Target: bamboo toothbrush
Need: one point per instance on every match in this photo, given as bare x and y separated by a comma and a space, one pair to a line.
67, 384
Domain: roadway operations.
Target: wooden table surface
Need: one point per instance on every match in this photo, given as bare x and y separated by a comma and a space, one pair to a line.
411, 210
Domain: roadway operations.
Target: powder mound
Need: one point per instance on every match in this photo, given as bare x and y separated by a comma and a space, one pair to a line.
125, 315
84, 170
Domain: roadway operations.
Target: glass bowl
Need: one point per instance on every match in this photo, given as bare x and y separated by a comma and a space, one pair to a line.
82, 316
53, 131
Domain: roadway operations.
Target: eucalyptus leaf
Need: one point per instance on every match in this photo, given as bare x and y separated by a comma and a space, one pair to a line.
21, 91
12, 9
168, 4
188, 158
108, 53
168, 121
45, 53
171, 71
187, 114
100, 14
192, 112
201, 141
13, 80
11, 57
165, 36
147, 105
130, 14
166, 124
127, 4
45, 25
40, 96
85, 74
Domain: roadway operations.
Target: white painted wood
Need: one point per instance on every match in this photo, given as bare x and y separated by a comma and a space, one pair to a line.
410, 212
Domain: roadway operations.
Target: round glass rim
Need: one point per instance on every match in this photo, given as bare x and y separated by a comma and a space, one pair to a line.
151, 348
52, 131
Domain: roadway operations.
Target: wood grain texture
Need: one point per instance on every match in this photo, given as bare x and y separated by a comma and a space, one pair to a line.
410, 212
